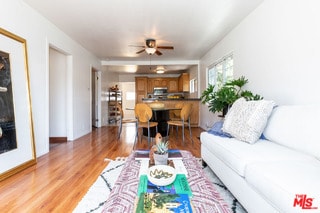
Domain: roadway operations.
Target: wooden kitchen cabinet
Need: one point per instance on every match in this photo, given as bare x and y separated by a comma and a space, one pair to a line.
184, 82
172, 84
145, 85
150, 86
159, 82
141, 88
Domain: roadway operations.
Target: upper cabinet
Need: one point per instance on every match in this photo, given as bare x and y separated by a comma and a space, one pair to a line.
145, 85
159, 82
141, 88
184, 82
172, 84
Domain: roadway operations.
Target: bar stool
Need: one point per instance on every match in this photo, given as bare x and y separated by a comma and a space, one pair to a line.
143, 114
122, 120
183, 121
175, 113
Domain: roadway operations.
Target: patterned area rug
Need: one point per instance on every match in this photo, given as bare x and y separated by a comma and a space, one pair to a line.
98, 193
224, 192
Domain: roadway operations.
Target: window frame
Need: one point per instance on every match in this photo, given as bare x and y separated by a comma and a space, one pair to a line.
221, 62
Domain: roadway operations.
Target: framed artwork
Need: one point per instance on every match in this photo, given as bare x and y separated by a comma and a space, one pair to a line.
17, 147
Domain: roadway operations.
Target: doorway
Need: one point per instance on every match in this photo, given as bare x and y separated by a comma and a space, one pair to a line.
96, 98
58, 63
128, 99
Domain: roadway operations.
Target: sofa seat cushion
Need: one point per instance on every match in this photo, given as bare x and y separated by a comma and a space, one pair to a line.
280, 182
237, 154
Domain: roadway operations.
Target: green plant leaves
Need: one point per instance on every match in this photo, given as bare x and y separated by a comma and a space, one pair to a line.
162, 147
207, 94
225, 96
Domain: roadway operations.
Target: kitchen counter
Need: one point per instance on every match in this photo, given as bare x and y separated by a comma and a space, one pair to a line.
147, 100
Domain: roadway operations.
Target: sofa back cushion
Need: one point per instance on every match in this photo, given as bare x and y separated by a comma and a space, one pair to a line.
297, 127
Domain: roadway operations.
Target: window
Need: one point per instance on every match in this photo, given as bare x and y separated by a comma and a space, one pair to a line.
221, 71
193, 85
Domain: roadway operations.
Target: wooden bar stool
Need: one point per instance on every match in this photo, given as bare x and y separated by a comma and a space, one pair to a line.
143, 114
183, 121
122, 120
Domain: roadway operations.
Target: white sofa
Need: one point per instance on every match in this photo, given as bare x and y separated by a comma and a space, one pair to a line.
267, 175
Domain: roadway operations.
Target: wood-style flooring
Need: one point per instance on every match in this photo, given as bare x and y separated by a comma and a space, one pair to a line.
62, 177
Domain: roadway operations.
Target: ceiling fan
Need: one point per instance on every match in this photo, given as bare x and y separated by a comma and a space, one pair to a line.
152, 48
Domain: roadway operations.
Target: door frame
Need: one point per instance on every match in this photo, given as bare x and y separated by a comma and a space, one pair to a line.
95, 98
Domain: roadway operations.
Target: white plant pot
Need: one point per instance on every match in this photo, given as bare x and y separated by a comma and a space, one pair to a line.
160, 159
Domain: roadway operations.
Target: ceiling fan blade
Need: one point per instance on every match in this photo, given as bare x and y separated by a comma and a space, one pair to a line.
158, 52
166, 47
140, 51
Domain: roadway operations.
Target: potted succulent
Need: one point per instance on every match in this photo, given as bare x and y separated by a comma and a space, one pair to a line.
221, 99
161, 153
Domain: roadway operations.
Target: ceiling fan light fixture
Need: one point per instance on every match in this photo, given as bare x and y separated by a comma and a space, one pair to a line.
150, 51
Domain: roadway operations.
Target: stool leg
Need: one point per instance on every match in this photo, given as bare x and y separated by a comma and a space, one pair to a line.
148, 136
119, 130
141, 135
190, 131
177, 131
137, 129
140, 138
135, 138
182, 132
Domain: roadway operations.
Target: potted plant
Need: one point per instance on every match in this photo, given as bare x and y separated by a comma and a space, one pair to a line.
161, 153
221, 99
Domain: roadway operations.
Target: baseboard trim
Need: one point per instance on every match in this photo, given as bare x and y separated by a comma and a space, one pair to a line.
58, 139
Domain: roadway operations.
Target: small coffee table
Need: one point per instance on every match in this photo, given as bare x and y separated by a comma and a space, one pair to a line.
205, 196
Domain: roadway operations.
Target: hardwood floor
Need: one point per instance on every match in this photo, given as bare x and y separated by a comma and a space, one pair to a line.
62, 177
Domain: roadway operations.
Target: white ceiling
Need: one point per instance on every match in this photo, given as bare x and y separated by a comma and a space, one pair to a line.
108, 28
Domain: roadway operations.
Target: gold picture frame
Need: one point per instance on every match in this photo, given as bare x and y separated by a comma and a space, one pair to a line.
16, 124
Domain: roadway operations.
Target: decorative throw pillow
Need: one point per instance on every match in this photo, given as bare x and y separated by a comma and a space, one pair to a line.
216, 129
246, 120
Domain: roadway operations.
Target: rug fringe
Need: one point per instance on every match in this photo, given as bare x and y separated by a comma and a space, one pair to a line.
117, 159
121, 159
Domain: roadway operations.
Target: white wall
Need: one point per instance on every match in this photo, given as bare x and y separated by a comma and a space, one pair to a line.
18, 18
128, 77
277, 48
193, 74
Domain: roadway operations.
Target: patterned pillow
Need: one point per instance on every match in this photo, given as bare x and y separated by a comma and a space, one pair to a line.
246, 120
